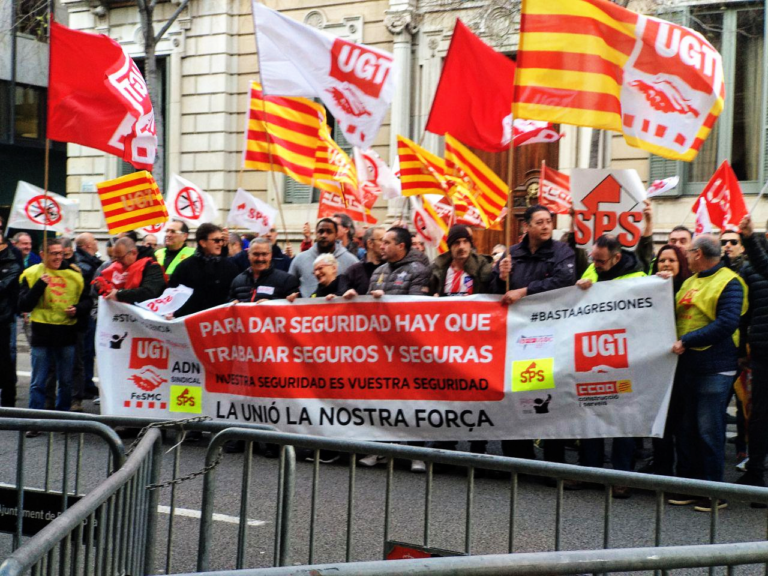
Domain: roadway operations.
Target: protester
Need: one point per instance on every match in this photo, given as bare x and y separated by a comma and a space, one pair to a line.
133, 277
498, 252
89, 263
709, 306
261, 281
234, 245
326, 270
538, 263
302, 266
417, 243
10, 270
681, 237
461, 272
150, 240
52, 292
358, 276
176, 250
306, 243
346, 234
610, 262
670, 262
733, 250
402, 273
23, 242
756, 277
208, 271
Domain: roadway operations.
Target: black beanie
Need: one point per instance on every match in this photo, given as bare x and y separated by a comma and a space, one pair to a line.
457, 232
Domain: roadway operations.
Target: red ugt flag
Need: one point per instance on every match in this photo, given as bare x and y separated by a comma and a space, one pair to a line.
723, 199
97, 97
474, 97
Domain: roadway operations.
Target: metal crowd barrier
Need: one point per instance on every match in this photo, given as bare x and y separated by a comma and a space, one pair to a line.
111, 530
303, 540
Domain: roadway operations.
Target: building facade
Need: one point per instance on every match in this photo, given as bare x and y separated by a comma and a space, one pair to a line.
208, 59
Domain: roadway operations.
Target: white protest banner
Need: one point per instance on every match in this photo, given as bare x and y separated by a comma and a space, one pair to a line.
168, 302
564, 364
32, 210
375, 177
251, 213
187, 202
354, 81
607, 202
661, 186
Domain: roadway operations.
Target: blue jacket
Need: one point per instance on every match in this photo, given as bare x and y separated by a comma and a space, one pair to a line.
723, 355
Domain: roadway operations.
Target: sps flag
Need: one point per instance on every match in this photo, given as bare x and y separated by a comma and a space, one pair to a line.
722, 199
188, 203
251, 213
98, 98
32, 210
354, 81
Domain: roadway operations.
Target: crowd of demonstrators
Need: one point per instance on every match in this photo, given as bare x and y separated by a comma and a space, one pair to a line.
715, 281
10, 270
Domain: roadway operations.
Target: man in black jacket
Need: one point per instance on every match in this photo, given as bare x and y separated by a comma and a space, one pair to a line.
755, 275
261, 281
358, 276
138, 276
537, 264
208, 272
10, 269
86, 248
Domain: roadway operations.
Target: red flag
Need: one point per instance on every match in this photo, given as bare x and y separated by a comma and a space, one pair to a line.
723, 199
98, 98
474, 96
555, 190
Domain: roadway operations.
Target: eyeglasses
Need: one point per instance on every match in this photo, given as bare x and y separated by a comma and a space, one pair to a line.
56, 254
172, 232
732, 242
216, 240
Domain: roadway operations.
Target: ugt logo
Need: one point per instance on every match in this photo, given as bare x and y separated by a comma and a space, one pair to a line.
148, 352
359, 66
601, 351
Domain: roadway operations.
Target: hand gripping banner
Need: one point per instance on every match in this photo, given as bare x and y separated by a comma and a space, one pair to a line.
566, 364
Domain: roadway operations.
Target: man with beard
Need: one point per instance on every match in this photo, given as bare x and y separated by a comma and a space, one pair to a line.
326, 232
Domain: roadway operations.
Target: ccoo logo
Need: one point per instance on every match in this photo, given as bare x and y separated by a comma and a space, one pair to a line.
148, 352
601, 351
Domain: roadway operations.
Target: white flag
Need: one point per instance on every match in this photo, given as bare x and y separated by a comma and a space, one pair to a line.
169, 301
661, 186
375, 177
703, 223
426, 226
188, 203
355, 82
251, 213
32, 210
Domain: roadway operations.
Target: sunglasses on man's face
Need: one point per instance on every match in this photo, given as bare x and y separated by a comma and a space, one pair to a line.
732, 242
216, 240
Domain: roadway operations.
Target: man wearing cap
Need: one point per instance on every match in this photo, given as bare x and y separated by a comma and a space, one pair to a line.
461, 271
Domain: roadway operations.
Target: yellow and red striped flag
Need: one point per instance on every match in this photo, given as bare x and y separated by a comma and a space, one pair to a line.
593, 63
288, 128
334, 171
489, 191
131, 202
421, 172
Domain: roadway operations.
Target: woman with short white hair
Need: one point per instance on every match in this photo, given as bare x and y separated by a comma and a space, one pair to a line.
326, 270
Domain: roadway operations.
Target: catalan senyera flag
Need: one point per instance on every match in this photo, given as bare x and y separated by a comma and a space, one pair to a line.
421, 172
131, 202
289, 128
593, 63
488, 190
334, 170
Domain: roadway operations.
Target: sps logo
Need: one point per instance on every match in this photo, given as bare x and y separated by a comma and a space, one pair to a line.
148, 352
359, 66
601, 351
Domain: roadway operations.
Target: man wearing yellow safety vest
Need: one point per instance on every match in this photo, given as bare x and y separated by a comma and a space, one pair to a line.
708, 308
176, 249
610, 262
52, 292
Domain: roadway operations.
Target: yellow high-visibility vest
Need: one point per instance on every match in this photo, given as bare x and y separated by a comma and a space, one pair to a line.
63, 291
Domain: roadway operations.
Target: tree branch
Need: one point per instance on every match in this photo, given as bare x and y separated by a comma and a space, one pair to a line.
171, 20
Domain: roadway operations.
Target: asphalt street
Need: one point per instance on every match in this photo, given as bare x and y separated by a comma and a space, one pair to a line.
632, 519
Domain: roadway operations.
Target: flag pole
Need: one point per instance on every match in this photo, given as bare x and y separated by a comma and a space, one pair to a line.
45, 196
510, 176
